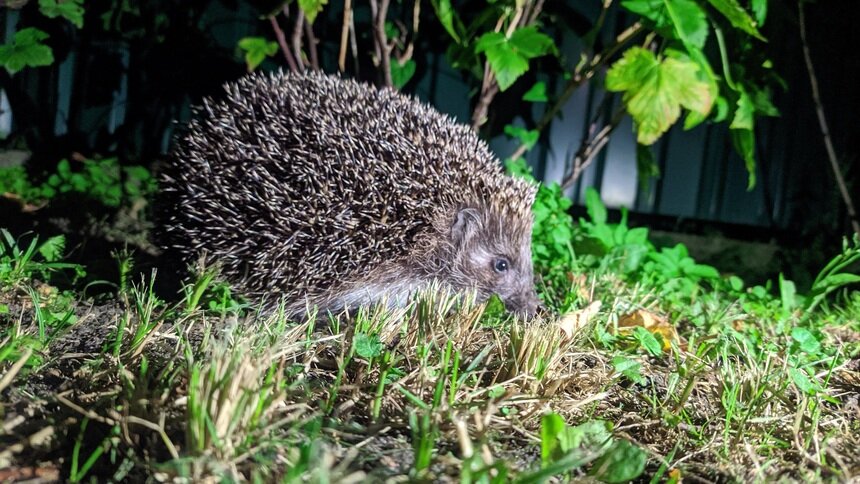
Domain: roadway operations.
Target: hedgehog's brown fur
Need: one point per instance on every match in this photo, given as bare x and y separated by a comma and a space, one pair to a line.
311, 187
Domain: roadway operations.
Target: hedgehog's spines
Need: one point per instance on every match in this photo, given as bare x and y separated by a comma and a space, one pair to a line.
301, 181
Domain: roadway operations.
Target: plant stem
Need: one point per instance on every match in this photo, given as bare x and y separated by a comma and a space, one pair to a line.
282, 41
379, 10
822, 121
344, 35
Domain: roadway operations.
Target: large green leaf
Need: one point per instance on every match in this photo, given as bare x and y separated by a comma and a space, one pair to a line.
256, 50
509, 57
447, 15
26, 50
737, 16
71, 10
655, 90
681, 19
311, 8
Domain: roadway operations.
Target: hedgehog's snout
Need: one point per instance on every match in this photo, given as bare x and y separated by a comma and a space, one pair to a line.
526, 305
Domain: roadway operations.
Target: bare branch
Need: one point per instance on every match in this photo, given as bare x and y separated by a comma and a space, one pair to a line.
344, 35
297, 38
590, 148
379, 10
282, 41
822, 121
312, 46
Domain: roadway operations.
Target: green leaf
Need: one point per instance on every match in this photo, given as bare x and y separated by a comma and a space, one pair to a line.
594, 206
678, 19
655, 91
631, 369
648, 341
508, 57
402, 73
744, 117
744, 143
256, 50
530, 43
737, 16
759, 9
802, 381
311, 8
690, 22
71, 10
528, 137
806, 340
367, 346
52, 249
702, 271
787, 294
646, 165
551, 428
26, 50
623, 462
537, 93
446, 14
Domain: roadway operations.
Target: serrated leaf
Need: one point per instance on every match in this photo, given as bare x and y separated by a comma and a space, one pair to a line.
530, 43
692, 24
256, 50
744, 142
648, 341
71, 10
537, 93
311, 8
655, 91
595, 207
52, 249
737, 16
506, 64
508, 57
401, 74
744, 117
446, 14
528, 137
367, 346
631, 369
26, 50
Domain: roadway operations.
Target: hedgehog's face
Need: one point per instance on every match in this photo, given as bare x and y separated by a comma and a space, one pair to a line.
492, 254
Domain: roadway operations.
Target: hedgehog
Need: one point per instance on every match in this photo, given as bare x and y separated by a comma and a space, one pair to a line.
324, 192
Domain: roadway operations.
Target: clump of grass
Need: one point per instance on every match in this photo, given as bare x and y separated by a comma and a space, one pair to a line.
712, 380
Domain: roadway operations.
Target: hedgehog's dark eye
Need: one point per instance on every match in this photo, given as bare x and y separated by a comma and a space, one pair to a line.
501, 265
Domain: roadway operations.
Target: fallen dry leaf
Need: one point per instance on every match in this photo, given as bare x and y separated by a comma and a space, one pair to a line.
572, 322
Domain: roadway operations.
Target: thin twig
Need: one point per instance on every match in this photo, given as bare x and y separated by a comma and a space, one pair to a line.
379, 10
282, 41
312, 46
353, 45
579, 77
344, 35
590, 148
297, 38
822, 121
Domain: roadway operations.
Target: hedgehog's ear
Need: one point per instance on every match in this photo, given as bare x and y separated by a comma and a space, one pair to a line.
467, 222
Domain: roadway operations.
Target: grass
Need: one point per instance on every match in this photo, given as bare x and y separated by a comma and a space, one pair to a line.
653, 368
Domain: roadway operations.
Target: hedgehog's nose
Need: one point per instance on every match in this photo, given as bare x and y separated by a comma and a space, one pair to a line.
526, 306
